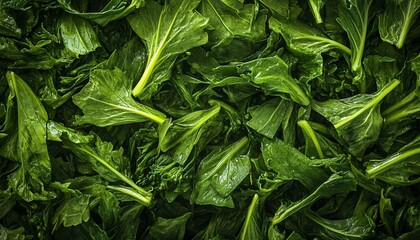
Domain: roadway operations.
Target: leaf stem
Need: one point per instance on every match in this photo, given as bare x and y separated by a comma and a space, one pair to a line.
146, 196
395, 159
315, 12
311, 133
400, 104
382, 94
251, 209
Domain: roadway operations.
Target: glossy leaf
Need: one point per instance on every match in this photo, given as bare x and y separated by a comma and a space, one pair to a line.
272, 75
114, 10
33, 173
77, 35
166, 39
220, 172
106, 100
357, 119
396, 21
337, 183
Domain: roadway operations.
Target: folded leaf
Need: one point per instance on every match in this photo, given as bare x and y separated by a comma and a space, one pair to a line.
110, 164
167, 32
220, 172
267, 118
290, 164
106, 100
400, 168
272, 75
182, 134
354, 227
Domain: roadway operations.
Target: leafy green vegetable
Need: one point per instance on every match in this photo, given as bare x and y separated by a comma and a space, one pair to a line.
272, 75
354, 17
106, 100
395, 22
112, 11
316, 7
77, 35
202, 119
26, 144
357, 119
337, 183
220, 173
162, 29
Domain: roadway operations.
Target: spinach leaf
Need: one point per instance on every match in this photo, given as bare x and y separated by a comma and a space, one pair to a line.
183, 133
106, 100
251, 228
220, 172
267, 118
26, 144
290, 164
397, 19
316, 7
272, 75
354, 17
336, 183
113, 10
400, 168
357, 119
77, 35
305, 40
110, 164
166, 39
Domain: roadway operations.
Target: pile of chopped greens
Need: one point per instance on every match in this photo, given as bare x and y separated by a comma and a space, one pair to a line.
209, 119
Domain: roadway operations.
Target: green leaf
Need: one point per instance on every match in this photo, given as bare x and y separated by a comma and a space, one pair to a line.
226, 22
251, 229
316, 7
267, 118
219, 173
400, 168
72, 212
183, 133
356, 119
341, 182
289, 9
317, 145
12, 234
397, 19
302, 39
272, 75
26, 144
162, 29
170, 228
354, 227
109, 164
113, 10
386, 212
55, 132
354, 17
77, 35
290, 164
106, 100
